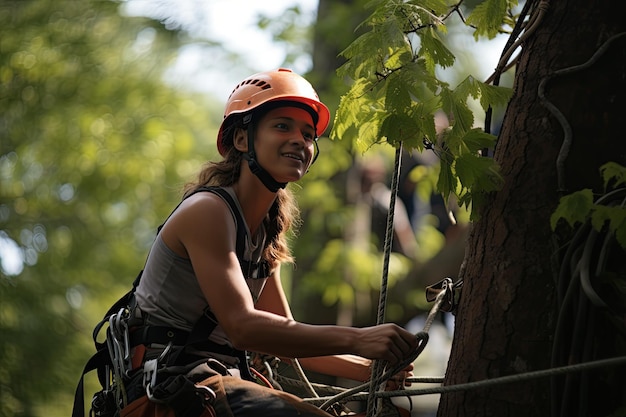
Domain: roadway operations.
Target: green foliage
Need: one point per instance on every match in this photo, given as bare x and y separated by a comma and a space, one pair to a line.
362, 267
579, 207
396, 93
488, 16
573, 208
93, 145
613, 174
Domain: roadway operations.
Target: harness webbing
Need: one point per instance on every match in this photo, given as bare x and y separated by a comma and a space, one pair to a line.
198, 337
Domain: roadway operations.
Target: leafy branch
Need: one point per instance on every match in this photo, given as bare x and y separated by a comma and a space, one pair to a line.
395, 92
579, 207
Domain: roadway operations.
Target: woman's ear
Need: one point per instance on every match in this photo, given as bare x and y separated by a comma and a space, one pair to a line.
240, 139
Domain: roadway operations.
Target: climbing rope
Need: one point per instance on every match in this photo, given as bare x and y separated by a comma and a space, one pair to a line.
446, 288
443, 301
487, 383
378, 367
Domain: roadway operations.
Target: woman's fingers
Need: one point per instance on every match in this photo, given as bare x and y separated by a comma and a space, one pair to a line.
389, 342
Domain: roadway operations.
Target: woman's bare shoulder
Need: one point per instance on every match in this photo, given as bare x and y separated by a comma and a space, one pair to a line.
199, 216
204, 202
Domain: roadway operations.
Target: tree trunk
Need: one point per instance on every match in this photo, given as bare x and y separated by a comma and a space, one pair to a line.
509, 306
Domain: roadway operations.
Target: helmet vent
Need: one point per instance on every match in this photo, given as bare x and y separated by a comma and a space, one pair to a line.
263, 85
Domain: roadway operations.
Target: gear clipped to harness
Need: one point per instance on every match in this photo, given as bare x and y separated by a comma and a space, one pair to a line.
125, 371
103, 404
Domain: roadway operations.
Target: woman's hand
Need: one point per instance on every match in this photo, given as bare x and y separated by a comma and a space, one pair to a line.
399, 380
388, 342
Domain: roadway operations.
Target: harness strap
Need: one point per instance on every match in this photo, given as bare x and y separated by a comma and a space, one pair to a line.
158, 334
250, 269
101, 360
198, 337
98, 361
148, 335
126, 300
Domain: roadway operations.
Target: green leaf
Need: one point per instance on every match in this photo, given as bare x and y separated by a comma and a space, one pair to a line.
447, 182
467, 88
454, 103
477, 173
432, 48
423, 117
384, 47
613, 172
488, 16
421, 84
573, 208
397, 97
477, 139
437, 7
493, 95
611, 215
352, 107
369, 132
398, 128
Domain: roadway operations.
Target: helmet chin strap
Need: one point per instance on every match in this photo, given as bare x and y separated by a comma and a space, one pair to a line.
256, 168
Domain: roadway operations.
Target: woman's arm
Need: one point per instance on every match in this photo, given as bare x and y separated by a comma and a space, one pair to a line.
204, 228
353, 367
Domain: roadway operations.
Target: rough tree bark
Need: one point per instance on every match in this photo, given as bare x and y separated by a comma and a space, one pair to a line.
508, 310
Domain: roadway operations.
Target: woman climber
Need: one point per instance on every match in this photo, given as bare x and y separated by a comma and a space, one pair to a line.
218, 257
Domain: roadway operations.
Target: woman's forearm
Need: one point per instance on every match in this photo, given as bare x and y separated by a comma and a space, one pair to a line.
343, 366
283, 337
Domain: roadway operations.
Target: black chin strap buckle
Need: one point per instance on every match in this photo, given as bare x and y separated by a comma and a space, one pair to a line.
267, 180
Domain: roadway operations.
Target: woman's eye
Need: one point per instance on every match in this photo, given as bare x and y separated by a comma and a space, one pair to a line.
309, 136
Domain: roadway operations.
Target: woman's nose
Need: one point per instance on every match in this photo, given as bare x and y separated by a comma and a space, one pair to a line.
299, 138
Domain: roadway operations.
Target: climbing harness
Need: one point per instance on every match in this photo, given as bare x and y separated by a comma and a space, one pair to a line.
125, 368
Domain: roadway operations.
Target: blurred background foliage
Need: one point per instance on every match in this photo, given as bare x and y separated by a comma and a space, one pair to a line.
95, 146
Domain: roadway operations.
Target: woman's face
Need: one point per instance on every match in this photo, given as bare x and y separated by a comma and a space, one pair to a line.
284, 143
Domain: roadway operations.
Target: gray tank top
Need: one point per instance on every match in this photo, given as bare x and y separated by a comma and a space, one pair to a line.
169, 294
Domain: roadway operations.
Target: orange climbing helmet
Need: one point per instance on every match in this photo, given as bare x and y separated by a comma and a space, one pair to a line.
271, 86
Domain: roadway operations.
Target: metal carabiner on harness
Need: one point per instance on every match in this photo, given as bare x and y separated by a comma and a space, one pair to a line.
119, 342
